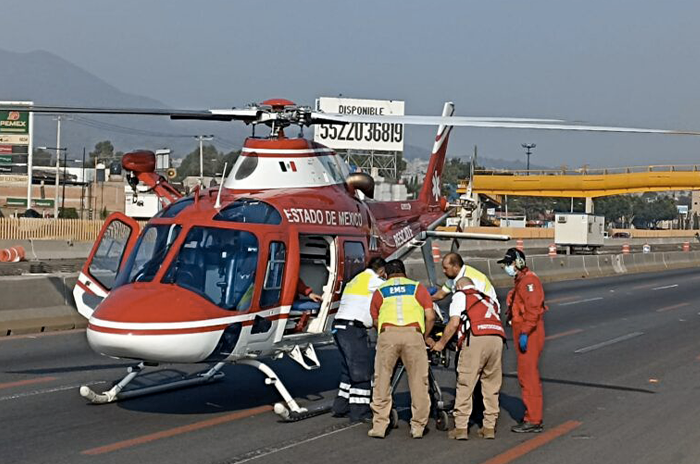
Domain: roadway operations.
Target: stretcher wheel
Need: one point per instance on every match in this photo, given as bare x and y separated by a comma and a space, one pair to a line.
394, 419
442, 421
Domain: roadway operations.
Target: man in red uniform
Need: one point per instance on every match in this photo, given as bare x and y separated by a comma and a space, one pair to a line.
526, 310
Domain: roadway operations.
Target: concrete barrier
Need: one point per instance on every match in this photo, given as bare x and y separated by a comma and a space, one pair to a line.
50, 249
30, 304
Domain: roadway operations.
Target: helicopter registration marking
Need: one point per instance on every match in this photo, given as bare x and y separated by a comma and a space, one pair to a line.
403, 236
323, 217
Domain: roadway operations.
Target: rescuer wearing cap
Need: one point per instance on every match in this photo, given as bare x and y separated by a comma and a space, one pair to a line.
526, 310
474, 316
403, 313
350, 334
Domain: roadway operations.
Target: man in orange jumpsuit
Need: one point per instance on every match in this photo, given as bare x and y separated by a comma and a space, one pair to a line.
526, 310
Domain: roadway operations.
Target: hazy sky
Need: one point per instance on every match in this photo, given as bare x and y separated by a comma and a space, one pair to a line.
623, 62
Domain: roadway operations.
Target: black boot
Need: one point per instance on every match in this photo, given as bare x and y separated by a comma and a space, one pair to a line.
527, 427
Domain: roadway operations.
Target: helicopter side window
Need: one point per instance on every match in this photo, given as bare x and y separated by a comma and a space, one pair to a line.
354, 259
272, 285
218, 264
250, 211
151, 249
105, 264
247, 166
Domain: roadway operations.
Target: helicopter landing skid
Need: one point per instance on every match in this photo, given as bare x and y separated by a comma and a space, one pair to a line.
116, 393
291, 412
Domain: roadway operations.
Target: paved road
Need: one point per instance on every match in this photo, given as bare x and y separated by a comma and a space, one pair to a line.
621, 369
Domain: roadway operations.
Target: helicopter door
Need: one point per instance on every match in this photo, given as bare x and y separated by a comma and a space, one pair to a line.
114, 243
318, 268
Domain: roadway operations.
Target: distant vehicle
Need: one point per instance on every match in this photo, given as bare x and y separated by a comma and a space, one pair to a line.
621, 235
579, 232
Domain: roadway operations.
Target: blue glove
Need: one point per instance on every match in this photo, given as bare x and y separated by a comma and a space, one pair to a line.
433, 290
522, 341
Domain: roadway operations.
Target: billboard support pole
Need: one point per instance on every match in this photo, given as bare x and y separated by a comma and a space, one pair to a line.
30, 158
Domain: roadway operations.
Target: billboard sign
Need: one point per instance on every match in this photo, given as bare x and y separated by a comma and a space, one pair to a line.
376, 136
15, 139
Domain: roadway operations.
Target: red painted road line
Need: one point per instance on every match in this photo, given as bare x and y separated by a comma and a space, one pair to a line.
41, 334
564, 298
563, 334
177, 430
22, 383
530, 445
668, 308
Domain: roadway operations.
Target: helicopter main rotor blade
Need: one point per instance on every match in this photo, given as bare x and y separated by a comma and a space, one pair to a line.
244, 114
488, 122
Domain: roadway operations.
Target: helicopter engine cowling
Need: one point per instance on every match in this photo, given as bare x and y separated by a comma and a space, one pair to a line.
362, 182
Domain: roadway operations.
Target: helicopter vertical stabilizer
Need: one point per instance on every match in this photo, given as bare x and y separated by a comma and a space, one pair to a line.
430, 193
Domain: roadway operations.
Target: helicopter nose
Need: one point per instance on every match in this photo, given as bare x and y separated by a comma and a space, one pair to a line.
148, 324
162, 347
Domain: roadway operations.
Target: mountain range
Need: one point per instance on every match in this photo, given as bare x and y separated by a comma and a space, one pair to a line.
47, 79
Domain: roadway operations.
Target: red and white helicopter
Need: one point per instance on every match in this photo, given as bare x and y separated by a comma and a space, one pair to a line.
215, 277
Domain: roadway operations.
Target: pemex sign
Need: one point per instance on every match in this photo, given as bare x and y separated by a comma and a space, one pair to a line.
14, 122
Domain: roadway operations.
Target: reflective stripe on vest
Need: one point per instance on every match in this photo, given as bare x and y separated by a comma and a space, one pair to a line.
400, 306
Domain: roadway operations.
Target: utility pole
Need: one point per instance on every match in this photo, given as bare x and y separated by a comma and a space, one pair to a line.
201, 139
82, 187
528, 151
58, 165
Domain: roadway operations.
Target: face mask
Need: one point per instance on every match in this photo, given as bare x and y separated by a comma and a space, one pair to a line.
510, 270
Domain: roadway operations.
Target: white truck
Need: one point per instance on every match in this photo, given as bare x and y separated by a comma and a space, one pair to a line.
142, 204
579, 232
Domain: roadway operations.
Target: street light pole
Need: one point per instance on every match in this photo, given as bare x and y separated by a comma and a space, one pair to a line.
63, 195
528, 151
58, 165
201, 139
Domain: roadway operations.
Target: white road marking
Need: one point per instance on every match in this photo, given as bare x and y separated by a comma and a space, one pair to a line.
581, 301
608, 342
268, 451
48, 390
665, 287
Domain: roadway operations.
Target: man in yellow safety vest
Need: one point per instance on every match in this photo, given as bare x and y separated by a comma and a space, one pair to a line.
350, 333
402, 311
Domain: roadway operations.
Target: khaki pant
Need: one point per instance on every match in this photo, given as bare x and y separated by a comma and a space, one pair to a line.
481, 359
407, 344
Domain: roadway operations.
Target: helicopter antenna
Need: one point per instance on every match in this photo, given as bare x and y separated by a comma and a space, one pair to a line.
217, 205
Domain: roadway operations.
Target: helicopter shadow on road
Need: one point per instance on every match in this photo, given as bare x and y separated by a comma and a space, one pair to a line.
243, 387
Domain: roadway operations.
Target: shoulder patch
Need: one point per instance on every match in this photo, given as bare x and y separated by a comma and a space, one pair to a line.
530, 287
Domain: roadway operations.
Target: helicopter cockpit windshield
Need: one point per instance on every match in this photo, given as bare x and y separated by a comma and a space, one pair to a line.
151, 250
218, 264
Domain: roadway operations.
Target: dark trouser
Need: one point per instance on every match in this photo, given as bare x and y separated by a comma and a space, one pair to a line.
355, 390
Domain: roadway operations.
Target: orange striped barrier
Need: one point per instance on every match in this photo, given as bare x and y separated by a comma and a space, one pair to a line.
519, 244
626, 248
686, 246
552, 250
12, 254
436, 254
